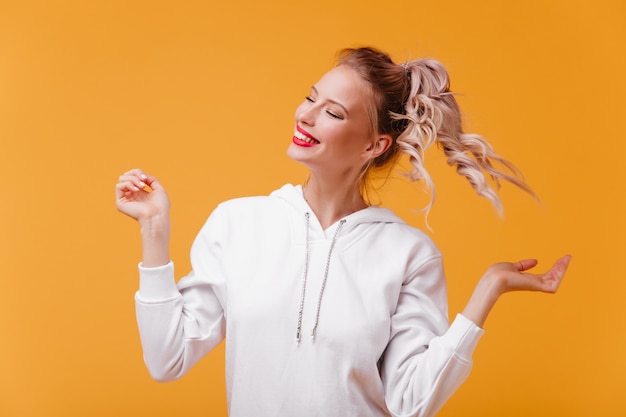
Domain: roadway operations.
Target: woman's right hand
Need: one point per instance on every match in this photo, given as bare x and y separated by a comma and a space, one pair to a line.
141, 196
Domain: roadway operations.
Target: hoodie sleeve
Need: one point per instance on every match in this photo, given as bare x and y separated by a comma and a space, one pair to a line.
180, 323
426, 360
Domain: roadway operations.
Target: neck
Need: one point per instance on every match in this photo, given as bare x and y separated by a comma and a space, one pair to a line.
332, 200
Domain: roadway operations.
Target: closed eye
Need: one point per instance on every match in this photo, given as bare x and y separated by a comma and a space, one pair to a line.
333, 115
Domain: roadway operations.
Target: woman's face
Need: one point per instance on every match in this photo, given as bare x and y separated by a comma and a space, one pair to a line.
332, 133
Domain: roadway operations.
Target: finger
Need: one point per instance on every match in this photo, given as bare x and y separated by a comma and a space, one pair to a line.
138, 173
563, 263
125, 189
131, 187
525, 264
551, 280
150, 180
557, 272
137, 181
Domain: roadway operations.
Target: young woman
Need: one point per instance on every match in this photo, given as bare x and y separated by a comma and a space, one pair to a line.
329, 306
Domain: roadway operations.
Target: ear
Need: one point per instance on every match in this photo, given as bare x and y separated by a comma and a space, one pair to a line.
380, 144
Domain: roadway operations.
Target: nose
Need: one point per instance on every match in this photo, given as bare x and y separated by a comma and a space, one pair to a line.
305, 113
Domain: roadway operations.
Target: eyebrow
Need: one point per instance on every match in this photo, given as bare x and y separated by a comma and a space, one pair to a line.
332, 101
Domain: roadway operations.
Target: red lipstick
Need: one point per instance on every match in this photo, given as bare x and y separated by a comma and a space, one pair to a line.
304, 138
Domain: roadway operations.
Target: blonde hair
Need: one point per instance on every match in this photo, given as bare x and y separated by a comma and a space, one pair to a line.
413, 103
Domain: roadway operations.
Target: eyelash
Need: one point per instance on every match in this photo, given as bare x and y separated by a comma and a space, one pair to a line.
331, 114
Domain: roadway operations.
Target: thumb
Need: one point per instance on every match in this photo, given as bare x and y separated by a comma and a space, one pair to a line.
525, 264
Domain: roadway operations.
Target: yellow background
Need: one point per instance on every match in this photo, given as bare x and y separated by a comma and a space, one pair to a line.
202, 94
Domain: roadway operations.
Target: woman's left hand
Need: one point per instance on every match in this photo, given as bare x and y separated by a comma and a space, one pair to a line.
505, 277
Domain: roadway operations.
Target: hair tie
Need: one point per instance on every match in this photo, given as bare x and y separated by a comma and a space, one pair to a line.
407, 71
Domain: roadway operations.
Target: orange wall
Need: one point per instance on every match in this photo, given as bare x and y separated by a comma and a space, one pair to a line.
203, 96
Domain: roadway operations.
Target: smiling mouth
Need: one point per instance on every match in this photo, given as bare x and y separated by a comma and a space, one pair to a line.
304, 138
300, 137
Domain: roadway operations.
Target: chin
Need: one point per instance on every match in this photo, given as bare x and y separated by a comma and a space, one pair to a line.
297, 153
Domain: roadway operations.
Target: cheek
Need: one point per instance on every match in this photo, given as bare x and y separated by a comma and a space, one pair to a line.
351, 142
360, 137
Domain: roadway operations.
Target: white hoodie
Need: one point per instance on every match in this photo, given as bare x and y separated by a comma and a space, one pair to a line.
382, 344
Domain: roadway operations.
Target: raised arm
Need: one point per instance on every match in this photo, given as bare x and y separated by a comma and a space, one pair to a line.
178, 323
423, 366
142, 197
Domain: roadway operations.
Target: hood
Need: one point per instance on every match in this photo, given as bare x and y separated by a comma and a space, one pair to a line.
293, 196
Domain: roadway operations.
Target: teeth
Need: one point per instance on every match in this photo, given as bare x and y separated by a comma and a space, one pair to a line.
304, 137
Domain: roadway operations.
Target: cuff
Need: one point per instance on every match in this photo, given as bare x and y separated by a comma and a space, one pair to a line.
463, 336
157, 284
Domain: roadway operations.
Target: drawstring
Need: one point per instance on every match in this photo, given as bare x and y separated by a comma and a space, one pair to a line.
319, 300
307, 217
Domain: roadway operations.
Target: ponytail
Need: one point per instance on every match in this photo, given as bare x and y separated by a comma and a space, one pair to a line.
433, 115
413, 103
